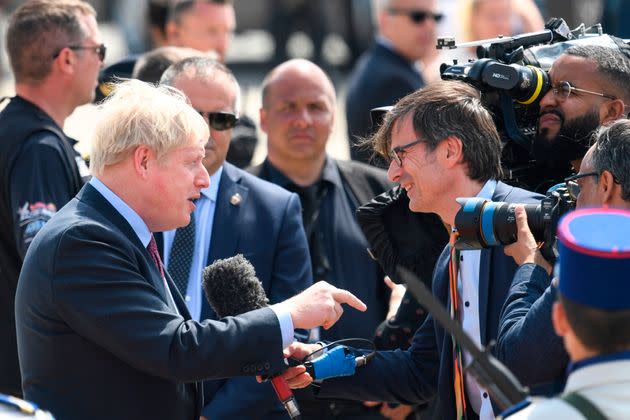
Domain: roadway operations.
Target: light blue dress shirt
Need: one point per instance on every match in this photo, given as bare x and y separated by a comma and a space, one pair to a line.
204, 218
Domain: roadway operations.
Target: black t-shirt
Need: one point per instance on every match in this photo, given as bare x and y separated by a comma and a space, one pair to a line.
39, 185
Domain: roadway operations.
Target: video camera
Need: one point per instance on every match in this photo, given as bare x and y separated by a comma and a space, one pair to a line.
511, 73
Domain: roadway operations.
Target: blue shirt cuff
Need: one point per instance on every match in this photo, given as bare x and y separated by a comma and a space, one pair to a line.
286, 324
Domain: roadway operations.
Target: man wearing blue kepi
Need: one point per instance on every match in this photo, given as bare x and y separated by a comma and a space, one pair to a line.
592, 316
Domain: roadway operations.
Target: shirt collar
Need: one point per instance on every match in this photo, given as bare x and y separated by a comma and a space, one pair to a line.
134, 220
330, 174
602, 358
212, 191
487, 191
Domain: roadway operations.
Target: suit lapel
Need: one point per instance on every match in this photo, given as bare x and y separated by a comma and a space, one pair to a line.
231, 198
92, 197
485, 281
484, 292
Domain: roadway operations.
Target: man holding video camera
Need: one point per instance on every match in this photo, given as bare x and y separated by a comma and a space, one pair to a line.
589, 86
525, 325
442, 144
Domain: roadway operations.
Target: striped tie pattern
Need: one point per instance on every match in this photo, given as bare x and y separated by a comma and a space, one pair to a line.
455, 309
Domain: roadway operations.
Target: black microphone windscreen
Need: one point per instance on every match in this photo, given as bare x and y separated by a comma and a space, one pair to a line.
232, 288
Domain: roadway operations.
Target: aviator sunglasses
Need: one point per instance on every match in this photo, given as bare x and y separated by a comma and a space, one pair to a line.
220, 121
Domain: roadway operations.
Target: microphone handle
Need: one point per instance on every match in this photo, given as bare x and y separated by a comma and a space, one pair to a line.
286, 397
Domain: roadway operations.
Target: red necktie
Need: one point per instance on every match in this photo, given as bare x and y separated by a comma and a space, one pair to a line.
152, 247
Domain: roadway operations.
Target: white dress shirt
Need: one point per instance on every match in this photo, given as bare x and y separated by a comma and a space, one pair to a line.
468, 291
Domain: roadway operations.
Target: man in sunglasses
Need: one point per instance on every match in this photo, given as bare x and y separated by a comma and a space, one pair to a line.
56, 51
237, 214
590, 86
389, 69
603, 181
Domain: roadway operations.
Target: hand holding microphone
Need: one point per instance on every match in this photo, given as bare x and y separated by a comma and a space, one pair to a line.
232, 288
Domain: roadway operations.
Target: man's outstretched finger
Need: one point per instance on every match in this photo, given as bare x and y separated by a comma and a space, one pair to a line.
343, 296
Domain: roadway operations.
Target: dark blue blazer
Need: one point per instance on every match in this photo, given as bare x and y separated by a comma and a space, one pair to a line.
380, 78
527, 342
425, 370
99, 339
266, 227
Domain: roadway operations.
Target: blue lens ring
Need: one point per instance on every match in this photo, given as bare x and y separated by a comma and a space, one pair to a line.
487, 226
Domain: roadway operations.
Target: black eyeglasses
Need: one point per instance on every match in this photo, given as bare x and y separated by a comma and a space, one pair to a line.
417, 16
100, 50
394, 154
573, 187
564, 89
220, 121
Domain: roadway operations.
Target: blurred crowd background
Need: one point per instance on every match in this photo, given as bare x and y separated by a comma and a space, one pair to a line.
332, 33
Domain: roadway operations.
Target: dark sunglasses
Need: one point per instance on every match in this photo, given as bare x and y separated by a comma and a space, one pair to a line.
100, 50
219, 120
573, 187
417, 16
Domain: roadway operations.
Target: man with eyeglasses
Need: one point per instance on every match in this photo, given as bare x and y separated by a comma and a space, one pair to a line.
297, 114
590, 87
436, 160
603, 181
389, 69
237, 214
56, 51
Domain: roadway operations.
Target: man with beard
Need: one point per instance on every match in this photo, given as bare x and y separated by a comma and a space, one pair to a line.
525, 324
590, 85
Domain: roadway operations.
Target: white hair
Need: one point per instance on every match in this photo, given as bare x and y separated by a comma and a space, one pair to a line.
137, 113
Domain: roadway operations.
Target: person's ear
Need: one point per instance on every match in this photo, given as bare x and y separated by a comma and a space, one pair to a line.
606, 187
142, 156
611, 111
559, 319
263, 120
65, 61
453, 150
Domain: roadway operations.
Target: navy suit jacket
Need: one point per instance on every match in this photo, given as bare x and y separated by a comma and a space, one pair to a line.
425, 370
266, 227
98, 337
380, 78
526, 330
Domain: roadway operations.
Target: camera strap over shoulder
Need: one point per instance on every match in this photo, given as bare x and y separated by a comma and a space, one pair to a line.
584, 406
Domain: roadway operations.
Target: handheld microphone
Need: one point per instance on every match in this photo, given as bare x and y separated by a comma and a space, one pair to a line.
232, 288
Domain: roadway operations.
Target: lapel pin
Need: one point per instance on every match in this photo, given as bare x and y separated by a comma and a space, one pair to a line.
236, 199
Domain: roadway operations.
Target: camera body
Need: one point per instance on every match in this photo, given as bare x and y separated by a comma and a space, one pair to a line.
483, 223
511, 74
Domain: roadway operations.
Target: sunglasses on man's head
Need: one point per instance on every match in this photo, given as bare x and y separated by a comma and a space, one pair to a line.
417, 16
219, 120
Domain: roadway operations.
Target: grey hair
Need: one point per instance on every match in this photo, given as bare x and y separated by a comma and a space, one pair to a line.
201, 67
612, 153
138, 113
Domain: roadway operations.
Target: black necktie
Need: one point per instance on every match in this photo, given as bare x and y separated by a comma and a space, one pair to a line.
181, 255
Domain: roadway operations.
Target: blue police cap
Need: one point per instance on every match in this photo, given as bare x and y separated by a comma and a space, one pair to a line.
594, 258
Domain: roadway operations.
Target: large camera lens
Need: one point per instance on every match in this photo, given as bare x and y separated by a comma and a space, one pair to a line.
483, 223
